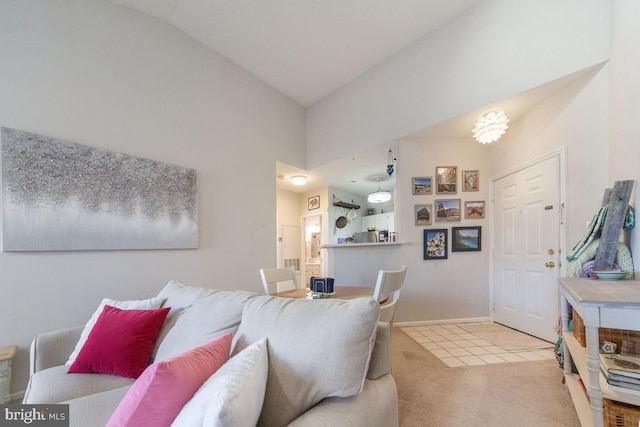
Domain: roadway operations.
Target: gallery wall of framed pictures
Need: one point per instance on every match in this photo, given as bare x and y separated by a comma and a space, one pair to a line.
447, 204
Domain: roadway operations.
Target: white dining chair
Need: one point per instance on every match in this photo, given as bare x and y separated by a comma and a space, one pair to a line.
389, 283
278, 279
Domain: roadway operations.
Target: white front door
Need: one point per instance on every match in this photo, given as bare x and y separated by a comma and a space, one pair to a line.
527, 211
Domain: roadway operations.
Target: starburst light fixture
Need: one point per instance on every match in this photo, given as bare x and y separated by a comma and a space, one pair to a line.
490, 127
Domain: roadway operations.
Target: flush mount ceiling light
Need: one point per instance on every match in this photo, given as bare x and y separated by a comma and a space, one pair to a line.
490, 127
298, 180
379, 196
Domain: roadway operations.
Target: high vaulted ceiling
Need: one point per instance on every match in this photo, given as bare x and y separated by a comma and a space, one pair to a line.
308, 49
305, 49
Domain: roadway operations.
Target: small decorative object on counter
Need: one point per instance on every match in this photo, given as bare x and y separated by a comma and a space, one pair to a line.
322, 285
609, 347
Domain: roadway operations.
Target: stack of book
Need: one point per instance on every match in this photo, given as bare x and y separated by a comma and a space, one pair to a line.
622, 372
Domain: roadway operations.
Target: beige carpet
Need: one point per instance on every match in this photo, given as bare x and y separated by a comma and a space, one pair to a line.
508, 394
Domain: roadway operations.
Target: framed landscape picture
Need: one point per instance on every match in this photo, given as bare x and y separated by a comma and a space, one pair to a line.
422, 185
436, 243
447, 210
446, 179
474, 210
470, 180
424, 215
466, 239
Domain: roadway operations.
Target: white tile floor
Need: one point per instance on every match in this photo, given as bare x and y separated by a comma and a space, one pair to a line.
457, 347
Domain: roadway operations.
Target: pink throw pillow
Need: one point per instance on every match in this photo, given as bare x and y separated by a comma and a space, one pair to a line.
157, 397
120, 342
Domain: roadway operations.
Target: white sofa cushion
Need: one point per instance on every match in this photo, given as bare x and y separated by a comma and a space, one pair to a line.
54, 385
210, 316
233, 395
317, 349
179, 296
94, 409
146, 304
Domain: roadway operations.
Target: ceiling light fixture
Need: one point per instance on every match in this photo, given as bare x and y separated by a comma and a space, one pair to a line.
298, 180
490, 127
379, 196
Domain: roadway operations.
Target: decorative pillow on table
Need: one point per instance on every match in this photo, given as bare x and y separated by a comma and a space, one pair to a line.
156, 398
146, 304
317, 349
120, 343
233, 396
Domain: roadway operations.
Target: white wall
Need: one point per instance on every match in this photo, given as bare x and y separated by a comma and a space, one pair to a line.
458, 287
493, 51
624, 149
102, 75
576, 118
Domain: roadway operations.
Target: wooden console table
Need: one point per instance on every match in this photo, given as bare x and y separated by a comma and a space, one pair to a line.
600, 303
6, 356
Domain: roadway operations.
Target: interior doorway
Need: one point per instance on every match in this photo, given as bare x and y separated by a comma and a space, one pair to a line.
527, 246
312, 247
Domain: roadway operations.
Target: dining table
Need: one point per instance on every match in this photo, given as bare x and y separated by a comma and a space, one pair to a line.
339, 292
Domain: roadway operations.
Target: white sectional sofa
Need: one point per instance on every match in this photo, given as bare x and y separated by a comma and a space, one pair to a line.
329, 361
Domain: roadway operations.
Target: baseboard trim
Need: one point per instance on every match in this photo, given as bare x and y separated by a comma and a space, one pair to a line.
441, 322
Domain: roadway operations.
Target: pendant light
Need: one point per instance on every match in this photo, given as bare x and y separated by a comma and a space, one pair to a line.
379, 196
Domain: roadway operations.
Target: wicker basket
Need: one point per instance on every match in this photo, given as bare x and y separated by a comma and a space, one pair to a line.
579, 331
617, 336
618, 414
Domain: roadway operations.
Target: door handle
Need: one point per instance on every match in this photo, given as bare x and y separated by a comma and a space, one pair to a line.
550, 264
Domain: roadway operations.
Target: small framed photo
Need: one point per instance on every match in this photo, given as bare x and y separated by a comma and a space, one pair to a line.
447, 209
446, 179
422, 185
313, 203
424, 214
436, 243
466, 239
474, 210
470, 180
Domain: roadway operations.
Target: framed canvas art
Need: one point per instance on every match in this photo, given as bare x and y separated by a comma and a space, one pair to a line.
436, 243
466, 239
470, 180
424, 215
447, 210
313, 203
474, 209
446, 179
422, 185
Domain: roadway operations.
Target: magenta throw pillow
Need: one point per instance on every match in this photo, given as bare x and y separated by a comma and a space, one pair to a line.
120, 342
157, 397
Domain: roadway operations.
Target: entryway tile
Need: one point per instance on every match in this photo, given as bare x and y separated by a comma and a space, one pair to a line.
457, 346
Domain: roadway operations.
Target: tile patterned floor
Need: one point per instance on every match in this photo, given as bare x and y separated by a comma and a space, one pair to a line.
458, 347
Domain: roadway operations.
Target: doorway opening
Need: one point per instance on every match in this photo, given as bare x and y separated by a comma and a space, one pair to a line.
312, 247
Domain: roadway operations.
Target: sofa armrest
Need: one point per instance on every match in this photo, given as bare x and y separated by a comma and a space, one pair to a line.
376, 406
380, 363
52, 348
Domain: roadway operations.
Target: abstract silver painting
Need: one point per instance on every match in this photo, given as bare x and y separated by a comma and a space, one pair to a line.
59, 195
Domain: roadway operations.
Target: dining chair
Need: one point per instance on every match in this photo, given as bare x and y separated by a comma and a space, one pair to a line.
389, 283
278, 279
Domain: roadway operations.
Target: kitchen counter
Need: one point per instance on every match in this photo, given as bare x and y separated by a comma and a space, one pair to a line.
359, 245
357, 264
